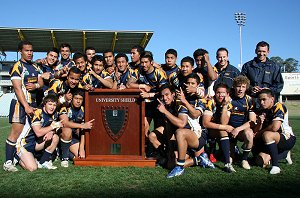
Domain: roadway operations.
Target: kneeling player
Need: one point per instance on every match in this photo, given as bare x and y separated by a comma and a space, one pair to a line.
273, 128
215, 119
241, 116
72, 137
40, 136
189, 134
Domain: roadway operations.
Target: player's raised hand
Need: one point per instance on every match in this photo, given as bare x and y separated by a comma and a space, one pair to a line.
161, 107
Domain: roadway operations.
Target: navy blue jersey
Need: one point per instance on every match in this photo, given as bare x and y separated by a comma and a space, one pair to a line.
134, 66
46, 68
277, 112
59, 87
74, 114
214, 110
177, 80
169, 71
154, 79
204, 72
240, 109
198, 104
65, 62
40, 118
125, 76
27, 73
93, 81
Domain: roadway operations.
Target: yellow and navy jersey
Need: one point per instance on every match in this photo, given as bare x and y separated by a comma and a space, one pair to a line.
214, 110
40, 118
198, 104
90, 79
169, 71
47, 68
177, 80
239, 110
204, 72
27, 73
65, 62
126, 75
50, 69
59, 87
277, 112
74, 114
154, 79
134, 66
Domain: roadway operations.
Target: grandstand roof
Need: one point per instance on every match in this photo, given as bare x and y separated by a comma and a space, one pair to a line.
101, 40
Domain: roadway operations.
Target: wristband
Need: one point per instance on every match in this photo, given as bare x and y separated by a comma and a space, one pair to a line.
55, 125
37, 85
62, 100
151, 95
200, 92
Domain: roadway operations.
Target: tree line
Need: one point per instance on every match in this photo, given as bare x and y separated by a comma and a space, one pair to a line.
288, 65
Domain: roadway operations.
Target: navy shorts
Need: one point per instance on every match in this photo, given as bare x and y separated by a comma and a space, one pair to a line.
75, 137
286, 144
17, 112
283, 145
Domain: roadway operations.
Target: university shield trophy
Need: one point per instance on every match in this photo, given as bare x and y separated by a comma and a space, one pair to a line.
117, 137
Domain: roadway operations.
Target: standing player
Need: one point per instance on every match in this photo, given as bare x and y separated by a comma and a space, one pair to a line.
177, 79
123, 72
148, 80
170, 65
204, 67
263, 72
109, 57
66, 62
90, 52
136, 52
97, 77
48, 67
26, 79
226, 71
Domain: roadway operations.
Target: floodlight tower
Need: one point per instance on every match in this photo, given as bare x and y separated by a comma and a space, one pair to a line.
241, 20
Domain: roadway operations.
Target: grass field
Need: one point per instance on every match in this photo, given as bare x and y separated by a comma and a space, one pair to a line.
151, 182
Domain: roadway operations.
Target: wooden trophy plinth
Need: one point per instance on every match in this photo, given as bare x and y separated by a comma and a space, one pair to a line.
117, 137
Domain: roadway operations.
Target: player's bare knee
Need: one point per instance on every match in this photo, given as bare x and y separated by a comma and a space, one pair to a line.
152, 137
31, 167
249, 135
267, 136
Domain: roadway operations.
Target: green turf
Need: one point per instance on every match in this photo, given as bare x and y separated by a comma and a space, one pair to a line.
151, 182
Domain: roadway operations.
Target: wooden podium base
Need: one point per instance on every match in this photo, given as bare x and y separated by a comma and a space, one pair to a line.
115, 161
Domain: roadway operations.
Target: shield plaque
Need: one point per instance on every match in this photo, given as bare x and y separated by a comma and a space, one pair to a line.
115, 120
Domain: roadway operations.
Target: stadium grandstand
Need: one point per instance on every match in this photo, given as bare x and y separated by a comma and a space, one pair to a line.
44, 39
